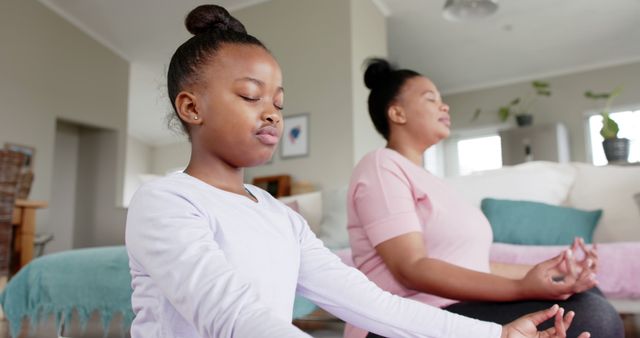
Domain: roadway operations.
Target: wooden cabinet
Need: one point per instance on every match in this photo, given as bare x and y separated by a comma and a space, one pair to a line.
24, 222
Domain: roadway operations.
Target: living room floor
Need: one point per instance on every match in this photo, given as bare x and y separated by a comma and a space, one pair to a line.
333, 330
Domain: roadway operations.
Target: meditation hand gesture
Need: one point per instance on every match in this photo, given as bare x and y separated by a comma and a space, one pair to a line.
526, 327
558, 278
589, 256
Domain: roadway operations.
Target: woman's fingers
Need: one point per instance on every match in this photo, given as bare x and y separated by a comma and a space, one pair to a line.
570, 263
555, 262
585, 281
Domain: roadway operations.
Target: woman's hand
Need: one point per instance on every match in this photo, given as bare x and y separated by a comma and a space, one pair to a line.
589, 255
578, 258
526, 327
547, 281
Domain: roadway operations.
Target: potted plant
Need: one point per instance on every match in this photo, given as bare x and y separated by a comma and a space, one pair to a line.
520, 108
615, 149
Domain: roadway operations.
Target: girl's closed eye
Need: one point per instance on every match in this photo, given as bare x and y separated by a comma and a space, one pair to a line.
249, 98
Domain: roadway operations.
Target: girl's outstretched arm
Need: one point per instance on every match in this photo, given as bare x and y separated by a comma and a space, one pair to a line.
348, 294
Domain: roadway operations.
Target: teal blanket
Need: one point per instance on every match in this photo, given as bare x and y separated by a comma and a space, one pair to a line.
85, 280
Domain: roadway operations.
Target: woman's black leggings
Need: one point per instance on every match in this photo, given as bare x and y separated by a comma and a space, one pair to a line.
593, 313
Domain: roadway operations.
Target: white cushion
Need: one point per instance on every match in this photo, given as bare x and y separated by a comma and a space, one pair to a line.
309, 206
333, 229
539, 181
610, 188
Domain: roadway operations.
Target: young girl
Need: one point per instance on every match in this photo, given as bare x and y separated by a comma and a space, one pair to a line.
415, 237
213, 257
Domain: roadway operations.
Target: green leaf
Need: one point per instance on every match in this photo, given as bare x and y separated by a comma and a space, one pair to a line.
476, 114
616, 91
503, 113
514, 102
540, 85
609, 127
596, 96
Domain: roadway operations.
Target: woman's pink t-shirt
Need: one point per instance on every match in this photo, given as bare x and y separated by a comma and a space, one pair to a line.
391, 196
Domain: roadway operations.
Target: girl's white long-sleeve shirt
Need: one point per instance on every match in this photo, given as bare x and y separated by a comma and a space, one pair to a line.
209, 263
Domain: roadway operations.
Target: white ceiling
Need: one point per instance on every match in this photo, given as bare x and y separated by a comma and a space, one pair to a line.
525, 39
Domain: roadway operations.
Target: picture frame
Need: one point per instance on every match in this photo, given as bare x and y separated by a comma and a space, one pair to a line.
295, 136
28, 151
276, 185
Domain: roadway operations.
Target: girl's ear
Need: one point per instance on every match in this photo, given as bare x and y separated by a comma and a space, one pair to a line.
396, 114
186, 108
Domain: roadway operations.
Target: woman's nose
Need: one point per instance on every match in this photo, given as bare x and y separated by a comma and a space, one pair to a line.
445, 107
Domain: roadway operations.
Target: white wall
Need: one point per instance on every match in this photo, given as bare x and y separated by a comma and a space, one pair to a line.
567, 103
368, 38
149, 102
65, 171
50, 70
138, 161
98, 222
170, 157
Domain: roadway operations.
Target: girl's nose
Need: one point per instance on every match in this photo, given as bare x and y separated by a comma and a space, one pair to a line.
274, 118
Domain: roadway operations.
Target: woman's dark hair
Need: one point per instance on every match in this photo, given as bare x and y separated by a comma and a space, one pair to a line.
211, 26
385, 83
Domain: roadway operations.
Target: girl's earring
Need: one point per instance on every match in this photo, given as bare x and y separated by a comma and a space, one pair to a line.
195, 117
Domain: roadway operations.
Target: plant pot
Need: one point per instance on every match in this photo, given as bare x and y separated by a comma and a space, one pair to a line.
524, 120
616, 149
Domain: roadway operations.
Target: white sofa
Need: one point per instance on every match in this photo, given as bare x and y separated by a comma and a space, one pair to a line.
581, 186
578, 185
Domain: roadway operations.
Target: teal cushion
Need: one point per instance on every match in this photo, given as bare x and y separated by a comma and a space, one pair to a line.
533, 223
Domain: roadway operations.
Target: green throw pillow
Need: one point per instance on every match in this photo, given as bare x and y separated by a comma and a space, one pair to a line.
533, 223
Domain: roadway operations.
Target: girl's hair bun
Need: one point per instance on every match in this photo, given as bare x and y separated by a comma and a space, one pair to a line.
378, 71
206, 18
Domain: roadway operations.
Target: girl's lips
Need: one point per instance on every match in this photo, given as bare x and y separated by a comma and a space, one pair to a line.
268, 135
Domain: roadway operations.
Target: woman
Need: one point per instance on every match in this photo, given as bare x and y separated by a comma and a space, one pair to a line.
417, 238
212, 257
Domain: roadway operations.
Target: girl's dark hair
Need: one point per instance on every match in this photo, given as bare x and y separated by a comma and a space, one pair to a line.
211, 26
385, 83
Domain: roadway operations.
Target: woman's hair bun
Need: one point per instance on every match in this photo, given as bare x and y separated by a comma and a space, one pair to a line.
206, 18
377, 72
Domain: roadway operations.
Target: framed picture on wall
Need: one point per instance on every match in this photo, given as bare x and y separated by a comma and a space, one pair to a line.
295, 136
29, 153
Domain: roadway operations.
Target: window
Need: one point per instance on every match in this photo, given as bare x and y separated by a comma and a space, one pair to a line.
479, 154
629, 123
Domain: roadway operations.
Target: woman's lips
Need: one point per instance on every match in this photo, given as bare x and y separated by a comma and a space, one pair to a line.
268, 135
446, 121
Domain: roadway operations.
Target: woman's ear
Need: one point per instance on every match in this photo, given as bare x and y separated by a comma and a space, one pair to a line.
186, 108
396, 114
